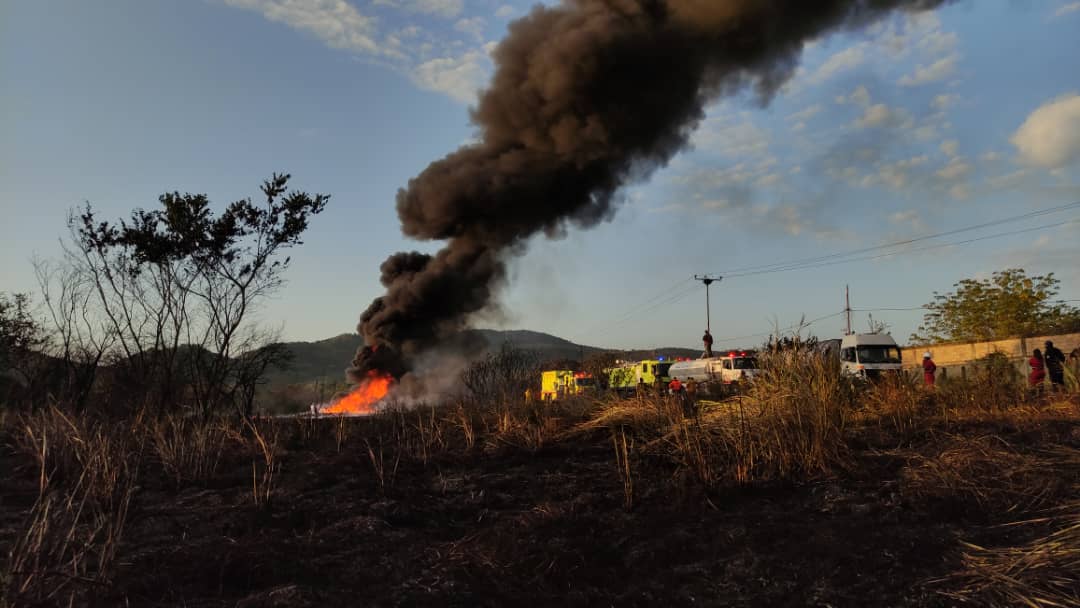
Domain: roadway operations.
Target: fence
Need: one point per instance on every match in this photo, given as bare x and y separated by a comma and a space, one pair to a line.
958, 359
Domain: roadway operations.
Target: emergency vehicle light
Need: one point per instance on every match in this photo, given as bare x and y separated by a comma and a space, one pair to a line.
659, 358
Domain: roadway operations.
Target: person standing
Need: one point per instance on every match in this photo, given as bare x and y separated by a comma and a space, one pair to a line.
675, 386
1055, 364
1038, 369
690, 404
707, 340
929, 368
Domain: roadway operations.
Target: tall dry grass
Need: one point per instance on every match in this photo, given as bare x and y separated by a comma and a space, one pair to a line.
87, 474
188, 449
789, 423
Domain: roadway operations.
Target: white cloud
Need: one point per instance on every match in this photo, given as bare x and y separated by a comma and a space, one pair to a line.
841, 61
505, 11
1008, 181
877, 115
1050, 137
909, 217
459, 77
860, 96
990, 156
734, 136
955, 170
949, 147
473, 26
944, 102
1065, 9
806, 113
959, 191
896, 175
440, 8
335, 22
925, 74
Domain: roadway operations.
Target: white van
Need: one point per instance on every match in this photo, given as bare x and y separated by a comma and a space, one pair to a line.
869, 355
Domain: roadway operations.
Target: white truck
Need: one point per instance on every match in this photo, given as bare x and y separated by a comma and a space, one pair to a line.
718, 372
866, 355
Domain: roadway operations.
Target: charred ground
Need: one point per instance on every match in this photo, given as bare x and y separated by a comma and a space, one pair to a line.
581, 503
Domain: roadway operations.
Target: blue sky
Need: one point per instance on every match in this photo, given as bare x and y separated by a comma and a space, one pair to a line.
917, 125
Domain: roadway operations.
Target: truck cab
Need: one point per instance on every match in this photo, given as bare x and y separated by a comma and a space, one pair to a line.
626, 376
869, 355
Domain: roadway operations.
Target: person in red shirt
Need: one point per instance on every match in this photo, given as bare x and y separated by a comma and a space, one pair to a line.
1038, 369
675, 386
928, 369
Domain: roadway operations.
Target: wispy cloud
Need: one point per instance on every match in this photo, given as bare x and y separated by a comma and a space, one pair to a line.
441, 8
925, 74
335, 22
1065, 9
459, 76
841, 61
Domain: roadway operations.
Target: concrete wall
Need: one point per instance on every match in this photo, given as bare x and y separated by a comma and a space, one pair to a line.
957, 358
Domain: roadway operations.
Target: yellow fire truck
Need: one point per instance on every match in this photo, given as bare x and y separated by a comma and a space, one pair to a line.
626, 377
563, 383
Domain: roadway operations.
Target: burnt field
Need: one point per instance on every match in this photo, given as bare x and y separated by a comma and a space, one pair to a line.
826, 494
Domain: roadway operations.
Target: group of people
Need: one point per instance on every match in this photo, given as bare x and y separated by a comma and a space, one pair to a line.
1049, 362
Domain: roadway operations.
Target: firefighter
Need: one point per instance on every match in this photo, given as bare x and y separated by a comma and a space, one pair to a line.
1055, 364
641, 387
691, 393
707, 340
928, 368
675, 386
528, 395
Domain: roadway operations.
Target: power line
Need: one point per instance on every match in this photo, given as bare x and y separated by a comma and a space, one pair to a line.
666, 297
781, 330
646, 306
1014, 218
806, 266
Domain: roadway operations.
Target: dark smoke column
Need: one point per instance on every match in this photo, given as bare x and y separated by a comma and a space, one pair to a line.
586, 97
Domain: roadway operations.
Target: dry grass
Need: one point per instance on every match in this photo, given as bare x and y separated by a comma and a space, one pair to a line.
189, 449
1043, 573
988, 475
87, 475
965, 444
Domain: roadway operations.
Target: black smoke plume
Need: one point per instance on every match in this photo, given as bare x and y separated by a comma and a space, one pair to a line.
586, 96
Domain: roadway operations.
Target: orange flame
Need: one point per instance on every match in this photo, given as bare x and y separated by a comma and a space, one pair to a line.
361, 401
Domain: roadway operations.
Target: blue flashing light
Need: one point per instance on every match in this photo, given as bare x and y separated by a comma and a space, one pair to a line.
660, 359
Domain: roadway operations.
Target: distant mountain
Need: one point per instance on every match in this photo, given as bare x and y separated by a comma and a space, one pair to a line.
327, 359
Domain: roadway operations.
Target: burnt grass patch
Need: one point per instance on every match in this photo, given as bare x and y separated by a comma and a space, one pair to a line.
500, 520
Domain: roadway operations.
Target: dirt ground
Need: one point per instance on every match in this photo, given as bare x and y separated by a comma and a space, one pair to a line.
505, 525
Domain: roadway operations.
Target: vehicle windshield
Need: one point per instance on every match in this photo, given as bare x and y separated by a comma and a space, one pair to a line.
745, 363
878, 354
585, 381
662, 369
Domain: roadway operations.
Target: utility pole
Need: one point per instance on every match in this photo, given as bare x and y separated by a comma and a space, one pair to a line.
847, 310
707, 280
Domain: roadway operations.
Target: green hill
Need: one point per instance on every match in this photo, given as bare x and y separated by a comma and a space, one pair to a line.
327, 359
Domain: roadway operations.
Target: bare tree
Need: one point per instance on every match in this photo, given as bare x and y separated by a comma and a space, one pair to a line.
503, 374
167, 296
